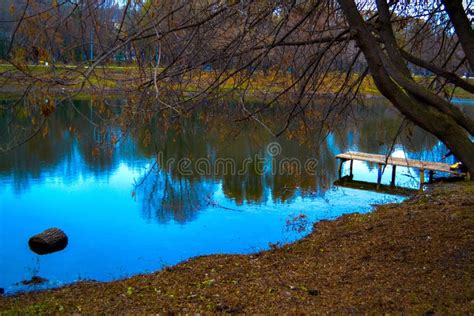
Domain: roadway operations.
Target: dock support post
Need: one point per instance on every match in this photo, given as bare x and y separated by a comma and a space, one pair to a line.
379, 175
394, 171
430, 179
341, 161
422, 178
350, 174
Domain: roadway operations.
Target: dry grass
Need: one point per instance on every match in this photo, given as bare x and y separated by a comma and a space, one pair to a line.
113, 78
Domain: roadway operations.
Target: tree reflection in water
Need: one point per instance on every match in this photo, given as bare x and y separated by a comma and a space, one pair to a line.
93, 137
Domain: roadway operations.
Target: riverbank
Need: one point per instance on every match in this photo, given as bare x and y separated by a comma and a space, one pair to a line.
113, 80
417, 256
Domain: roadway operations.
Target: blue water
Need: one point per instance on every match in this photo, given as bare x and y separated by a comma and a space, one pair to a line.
108, 237
463, 101
125, 216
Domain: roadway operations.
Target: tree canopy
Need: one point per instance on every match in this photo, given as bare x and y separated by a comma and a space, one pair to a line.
416, 53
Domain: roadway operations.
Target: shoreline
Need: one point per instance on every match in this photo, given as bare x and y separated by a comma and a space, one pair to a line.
415, 256
87, 92
111, 80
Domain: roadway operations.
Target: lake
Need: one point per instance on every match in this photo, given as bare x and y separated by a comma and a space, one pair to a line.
136, 192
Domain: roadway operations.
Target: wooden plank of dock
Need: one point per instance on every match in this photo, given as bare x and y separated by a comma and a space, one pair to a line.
382, 160
395, 161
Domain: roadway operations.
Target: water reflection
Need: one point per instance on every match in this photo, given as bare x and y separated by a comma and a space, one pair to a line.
80, 140
165, 198
101, 172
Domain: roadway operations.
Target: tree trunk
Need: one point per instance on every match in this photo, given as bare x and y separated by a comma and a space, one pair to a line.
51, 240
430, 117
463, 27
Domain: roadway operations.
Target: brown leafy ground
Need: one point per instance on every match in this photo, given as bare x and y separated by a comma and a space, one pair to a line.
412, 257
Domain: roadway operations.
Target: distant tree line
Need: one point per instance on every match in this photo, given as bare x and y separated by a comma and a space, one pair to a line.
67, 31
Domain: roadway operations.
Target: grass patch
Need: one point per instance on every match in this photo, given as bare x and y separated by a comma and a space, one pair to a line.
113, 77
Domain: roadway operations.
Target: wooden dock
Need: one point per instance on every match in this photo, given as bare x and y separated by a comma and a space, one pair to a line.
382, 161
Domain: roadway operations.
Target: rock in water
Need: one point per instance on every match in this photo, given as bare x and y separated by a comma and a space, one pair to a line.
49, 241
